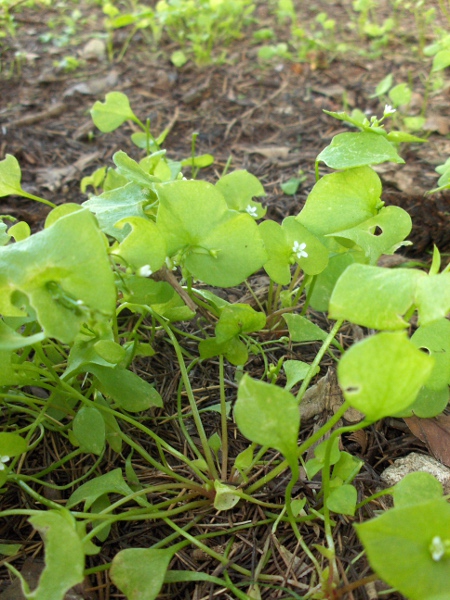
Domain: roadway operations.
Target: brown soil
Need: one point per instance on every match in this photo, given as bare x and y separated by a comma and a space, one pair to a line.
269, 119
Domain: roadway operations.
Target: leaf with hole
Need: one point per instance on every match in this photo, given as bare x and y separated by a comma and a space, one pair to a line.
340, 201
383, 374
382, 234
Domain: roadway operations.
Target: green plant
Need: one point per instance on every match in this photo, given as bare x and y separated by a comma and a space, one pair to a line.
198, 26
80, 305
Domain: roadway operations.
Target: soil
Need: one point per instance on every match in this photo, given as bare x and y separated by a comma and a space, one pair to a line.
265, 117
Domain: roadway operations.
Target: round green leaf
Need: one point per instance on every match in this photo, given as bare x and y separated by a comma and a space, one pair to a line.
383, 374
399, 546
139, 572
416, 488
375, 297
342, 200
144, 246
12, 444
435, 339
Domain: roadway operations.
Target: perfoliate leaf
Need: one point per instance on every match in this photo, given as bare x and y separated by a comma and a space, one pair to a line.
62, 273
215, 244
342, 200
144, 246
113, 112
350, 150
416, 488
239, 188
139, 572
383, 374
64, 555
404, 548
381, 234
374, 297
268, 415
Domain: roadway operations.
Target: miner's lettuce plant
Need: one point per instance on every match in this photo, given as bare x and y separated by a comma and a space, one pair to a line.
83, 299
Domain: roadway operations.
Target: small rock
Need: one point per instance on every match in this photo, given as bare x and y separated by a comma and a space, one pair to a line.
416, 462
94, 50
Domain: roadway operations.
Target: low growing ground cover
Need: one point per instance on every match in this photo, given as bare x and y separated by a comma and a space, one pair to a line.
209, 351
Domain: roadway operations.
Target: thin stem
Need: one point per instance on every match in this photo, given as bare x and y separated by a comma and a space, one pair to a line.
316, 362
223, 419
300, 450
187, 384
37, 199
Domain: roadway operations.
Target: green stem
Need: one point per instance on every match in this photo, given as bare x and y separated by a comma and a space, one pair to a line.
37, 199
223, 419
316, 362
300, 450
187, 384
294, 278
288, 501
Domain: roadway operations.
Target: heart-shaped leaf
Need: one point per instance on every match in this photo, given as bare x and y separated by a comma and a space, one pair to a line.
110, 114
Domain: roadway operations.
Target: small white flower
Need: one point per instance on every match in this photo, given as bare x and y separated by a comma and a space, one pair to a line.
388, 110
251, 210
145, 271
299, 250
437, 548
3, 460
